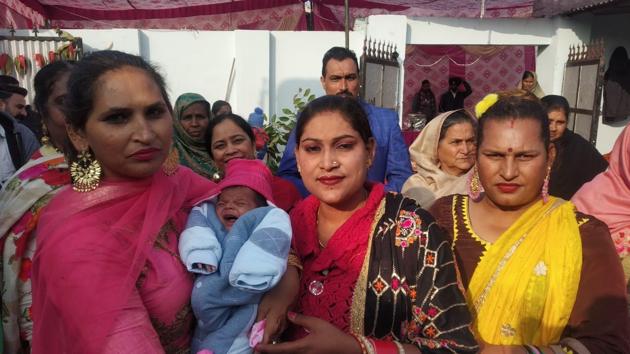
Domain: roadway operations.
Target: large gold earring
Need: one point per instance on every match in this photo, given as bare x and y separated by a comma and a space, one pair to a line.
85, 172
171, 164
45, 140
474, 185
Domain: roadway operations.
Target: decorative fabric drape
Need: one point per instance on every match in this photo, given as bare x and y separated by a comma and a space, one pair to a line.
240, 14
486, 68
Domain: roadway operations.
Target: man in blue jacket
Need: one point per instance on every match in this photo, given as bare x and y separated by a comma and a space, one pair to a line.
340, 76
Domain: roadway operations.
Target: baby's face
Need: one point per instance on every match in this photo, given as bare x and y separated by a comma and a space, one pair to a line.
234, 202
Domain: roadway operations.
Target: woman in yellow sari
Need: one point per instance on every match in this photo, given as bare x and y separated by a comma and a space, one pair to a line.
540, 277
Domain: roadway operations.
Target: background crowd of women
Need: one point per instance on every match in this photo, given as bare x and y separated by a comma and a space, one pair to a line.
482, 251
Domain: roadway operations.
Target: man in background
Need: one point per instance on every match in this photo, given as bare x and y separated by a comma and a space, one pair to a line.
16, 105
17, 142
340, 76
424, 101
454, 98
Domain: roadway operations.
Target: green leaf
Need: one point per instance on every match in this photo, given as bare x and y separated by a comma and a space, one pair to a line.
278, 127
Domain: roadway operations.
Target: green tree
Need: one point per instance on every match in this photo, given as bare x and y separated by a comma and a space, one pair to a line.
279, 127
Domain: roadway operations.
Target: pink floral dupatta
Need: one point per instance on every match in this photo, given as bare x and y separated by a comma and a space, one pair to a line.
91, 250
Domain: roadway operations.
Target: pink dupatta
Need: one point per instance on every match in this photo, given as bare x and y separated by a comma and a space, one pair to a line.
607, 196
91, 250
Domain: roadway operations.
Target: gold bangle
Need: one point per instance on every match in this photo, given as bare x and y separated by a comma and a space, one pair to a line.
401, 349
369, 344
294, 260
361, 342
364, 343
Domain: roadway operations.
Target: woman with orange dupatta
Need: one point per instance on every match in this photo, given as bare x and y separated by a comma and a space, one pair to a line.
106, 274
539, 276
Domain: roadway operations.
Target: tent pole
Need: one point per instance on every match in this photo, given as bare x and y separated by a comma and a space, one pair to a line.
346, 14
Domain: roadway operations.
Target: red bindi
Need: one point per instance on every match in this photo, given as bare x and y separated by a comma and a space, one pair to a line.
510, 150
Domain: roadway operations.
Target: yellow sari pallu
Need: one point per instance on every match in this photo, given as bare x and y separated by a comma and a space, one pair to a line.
524, 287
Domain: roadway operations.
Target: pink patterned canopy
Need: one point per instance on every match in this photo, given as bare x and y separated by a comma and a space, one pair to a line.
487, 69
236, 14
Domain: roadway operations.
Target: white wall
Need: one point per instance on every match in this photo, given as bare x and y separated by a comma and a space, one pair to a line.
125, 40
270, 67
191, 61
436, 30
251, 81
551, 59
296, 62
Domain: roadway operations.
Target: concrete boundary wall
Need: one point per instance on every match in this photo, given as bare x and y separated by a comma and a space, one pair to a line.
269, 67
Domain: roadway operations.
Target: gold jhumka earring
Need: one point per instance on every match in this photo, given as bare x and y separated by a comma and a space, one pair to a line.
474, 185
85, 172
45, 140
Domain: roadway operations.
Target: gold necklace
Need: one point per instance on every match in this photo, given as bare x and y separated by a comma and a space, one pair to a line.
321, 244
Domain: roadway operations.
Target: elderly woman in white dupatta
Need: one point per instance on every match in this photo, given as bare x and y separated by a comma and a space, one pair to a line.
441, 156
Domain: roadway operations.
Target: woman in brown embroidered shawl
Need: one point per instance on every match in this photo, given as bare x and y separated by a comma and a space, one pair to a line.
539, 276
378, 275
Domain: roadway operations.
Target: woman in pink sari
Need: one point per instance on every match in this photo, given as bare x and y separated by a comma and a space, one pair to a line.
106, 274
